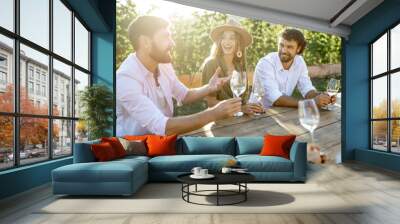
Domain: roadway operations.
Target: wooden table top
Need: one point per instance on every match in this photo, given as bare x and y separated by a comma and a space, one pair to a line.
280, 121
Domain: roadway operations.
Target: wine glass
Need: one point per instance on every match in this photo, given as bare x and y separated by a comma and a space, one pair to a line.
309, 116
258, 93
238, 85
332, 89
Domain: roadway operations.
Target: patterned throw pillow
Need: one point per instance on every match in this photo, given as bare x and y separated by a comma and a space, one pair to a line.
134, 147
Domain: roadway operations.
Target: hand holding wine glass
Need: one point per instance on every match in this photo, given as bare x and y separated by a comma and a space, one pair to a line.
258, 93
238, 85
332, 89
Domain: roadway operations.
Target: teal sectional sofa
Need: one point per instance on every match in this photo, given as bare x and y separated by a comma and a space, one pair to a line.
125, 176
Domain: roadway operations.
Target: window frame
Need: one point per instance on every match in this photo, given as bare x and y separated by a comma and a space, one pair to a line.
388, 74
16, 114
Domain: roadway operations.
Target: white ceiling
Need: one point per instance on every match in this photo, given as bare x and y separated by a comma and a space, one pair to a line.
309, 14
321, 9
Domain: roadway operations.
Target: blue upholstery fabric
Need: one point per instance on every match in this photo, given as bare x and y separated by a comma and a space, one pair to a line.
298, 155
206, 145
133, 157
257, 163
273, 176
126, 175
249, 145
184, 163
167, 168
83, 152
118, 177
164, 176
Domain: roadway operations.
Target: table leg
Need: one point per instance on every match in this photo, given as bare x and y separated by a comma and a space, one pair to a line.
188, 192
182, 190
217, 194
245, 192
196, 188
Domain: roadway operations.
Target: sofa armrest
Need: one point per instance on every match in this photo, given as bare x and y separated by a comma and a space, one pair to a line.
298, 155
83, 152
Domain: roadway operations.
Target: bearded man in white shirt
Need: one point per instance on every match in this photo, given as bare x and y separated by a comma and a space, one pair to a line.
147, 84
281, 72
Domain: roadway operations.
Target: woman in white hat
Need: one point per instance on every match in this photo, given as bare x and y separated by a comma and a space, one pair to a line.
228, 53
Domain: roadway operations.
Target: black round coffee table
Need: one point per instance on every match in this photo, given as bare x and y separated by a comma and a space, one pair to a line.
238, 179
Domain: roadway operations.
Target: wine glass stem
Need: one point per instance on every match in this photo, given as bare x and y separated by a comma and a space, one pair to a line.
312, 136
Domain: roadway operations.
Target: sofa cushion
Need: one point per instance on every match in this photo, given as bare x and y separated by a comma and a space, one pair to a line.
132, 158
257, 163
249, 145
116, 145
136, 137
103, 152
206, 145
161, 145
83, 152
185, 163
134, 147
112, 171
277, 145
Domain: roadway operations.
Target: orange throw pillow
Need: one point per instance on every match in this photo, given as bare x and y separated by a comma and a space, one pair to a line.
116, 145
161, 145
103, 152
136, 137
277, 145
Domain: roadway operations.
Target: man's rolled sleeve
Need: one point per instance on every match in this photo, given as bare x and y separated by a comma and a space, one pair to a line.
179, 90
264, 73
304, 84
130, 96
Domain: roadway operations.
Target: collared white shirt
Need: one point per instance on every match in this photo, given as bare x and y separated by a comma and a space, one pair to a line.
142, 106
277, 81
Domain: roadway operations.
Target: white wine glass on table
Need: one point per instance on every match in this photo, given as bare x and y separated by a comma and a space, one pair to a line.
309, 116
332, 89
258, 93
238, 85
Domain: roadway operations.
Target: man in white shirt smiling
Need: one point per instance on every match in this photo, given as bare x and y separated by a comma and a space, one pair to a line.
146, 84
280, 72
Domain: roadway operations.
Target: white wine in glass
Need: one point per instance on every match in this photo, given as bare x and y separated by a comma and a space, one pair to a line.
332, 89
258, 93
309, 116
238, 85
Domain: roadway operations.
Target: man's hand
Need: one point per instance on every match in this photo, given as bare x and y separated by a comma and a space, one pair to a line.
252, 108
333, 99
322, 100
226, 108
216, 82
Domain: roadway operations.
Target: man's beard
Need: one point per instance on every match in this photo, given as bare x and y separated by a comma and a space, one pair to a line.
285, 57
160, 56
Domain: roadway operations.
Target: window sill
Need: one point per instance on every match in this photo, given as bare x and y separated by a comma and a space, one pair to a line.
30, 166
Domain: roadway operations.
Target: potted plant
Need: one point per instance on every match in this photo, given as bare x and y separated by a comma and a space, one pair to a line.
96, 102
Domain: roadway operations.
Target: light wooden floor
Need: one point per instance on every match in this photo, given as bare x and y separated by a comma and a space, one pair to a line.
377, 188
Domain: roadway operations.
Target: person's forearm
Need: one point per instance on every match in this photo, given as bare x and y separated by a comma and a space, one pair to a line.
311, 94
196, 94
183, 124
286, 101
211, 101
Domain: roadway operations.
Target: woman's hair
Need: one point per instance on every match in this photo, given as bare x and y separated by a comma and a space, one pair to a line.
217, 52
